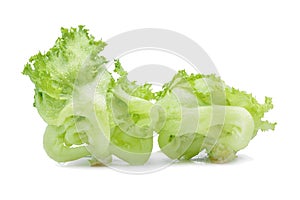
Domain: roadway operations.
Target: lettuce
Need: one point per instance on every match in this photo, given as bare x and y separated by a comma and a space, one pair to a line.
133, 118
203, 113
91, 112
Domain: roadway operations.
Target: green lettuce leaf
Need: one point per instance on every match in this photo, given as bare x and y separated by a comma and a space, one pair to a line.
133, 118
71, 82
203, 113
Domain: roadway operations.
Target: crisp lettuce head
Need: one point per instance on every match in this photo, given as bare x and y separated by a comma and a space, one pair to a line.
70, 87
88, 112
203, 113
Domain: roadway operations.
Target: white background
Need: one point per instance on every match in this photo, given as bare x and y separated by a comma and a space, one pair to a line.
255, 46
